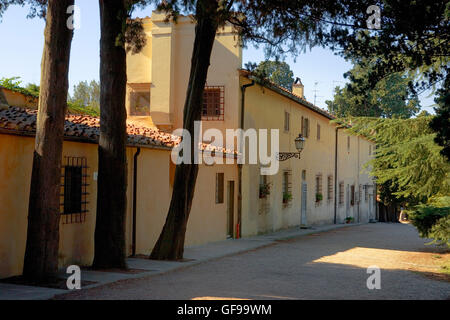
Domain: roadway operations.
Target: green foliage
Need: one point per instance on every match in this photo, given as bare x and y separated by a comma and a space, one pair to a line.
319, 197
441, 122
264, 190
407, 160
433, 220
287, 196
440, 231
77, 108
86, 94
389, 98
276, 71
14, 84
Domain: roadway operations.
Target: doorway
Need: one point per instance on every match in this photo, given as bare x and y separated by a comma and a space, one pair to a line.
230, 209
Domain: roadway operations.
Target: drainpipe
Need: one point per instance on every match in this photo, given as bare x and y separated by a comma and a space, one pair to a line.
336, 174
239, 226
135, 168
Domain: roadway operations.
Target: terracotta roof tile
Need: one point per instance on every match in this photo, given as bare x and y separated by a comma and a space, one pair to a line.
16, 120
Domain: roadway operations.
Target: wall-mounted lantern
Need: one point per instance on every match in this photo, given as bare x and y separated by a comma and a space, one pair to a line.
299, 145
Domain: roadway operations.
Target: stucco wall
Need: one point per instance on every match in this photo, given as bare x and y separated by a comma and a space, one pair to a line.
266, 109
207, 221
166, 62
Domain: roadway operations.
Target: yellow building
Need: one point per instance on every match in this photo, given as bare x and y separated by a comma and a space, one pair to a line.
227, 200
157, 82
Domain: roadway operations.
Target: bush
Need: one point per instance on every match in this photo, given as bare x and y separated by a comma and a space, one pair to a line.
440, 232
432, 221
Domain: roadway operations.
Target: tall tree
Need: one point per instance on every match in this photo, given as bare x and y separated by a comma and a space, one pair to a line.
41, 253
391, 96
112, 169
118, 34
441, 123
86, 94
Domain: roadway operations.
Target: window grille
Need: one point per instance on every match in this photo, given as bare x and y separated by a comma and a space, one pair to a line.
213, 103
73, 204
330, 188
287, 188
341, 193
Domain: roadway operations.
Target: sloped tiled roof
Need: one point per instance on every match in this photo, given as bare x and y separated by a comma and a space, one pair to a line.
86, 128
273, 86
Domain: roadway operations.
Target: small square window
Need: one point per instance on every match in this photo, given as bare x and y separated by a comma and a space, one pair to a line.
139, 99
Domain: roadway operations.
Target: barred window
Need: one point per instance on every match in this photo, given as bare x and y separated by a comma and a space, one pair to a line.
319, 183
319, 195
287, 192
352, 195
74, 190
220, 181
330, 188
341, 193
318, 131
213, 103
359, 193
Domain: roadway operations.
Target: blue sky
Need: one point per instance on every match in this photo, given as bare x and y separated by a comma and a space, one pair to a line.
22, 39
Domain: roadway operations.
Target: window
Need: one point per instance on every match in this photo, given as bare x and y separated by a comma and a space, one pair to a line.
287, 194
264, 188
341, 193
305, 127
348, 144
352, 195
319, 195
359, 193
139, 99
303, 175
286, 121
318, 131
73, 193
366, 192
220, 185
370, 150
330, 188
213, 103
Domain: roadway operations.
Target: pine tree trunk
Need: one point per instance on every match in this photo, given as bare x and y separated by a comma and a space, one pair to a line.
170, 245
112, 162
41, 253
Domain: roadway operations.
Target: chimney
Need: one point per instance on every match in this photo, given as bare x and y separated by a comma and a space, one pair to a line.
298, 88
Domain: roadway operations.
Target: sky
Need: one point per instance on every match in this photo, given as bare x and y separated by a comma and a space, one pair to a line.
319, 69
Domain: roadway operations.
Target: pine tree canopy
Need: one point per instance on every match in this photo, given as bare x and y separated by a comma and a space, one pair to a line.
406, 157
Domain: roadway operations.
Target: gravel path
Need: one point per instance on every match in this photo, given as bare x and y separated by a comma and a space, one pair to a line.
329, 265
